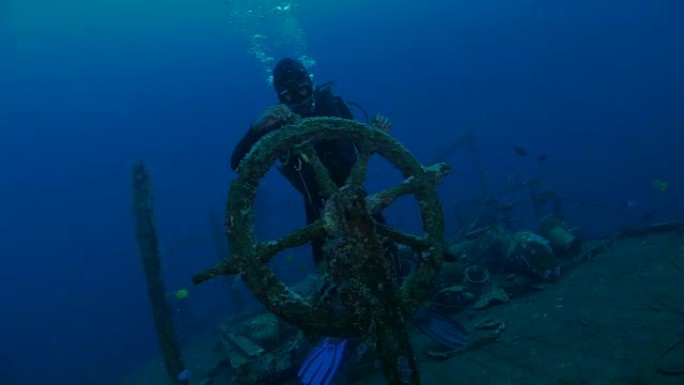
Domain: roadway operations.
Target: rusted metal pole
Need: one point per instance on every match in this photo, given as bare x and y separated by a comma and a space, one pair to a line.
149, 251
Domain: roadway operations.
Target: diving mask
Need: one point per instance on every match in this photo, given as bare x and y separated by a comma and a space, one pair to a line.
295, 93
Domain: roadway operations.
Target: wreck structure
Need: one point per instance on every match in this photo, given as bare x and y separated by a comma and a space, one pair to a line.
370, 300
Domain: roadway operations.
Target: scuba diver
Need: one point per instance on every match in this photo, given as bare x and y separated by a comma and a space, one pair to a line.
297, 94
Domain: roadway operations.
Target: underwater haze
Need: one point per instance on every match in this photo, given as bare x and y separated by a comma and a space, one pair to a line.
586, 95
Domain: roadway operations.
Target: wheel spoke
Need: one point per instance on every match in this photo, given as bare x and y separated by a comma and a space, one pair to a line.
264, 251
226, 267
358, 172
417, 244
383, 199
267, 250
325, 183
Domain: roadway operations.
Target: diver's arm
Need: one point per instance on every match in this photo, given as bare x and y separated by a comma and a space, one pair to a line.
270, 120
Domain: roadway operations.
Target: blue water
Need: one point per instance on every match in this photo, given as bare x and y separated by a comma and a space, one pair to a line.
87, 88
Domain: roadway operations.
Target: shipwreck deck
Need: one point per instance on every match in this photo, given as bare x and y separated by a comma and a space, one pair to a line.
617, 318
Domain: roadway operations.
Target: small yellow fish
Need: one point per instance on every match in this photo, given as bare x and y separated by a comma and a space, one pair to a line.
181, 294
660, 184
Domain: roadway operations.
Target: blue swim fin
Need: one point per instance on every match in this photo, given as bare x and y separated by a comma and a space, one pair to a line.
321, 365
441, 328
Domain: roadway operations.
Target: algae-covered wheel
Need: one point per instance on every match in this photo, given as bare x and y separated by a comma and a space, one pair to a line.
250, 258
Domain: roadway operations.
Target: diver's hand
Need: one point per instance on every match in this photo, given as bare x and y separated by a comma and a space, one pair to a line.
382, 123
272, 116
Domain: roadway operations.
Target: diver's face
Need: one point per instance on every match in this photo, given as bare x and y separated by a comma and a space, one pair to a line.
299, 98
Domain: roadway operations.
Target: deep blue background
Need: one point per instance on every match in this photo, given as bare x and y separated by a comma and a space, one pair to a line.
87, 88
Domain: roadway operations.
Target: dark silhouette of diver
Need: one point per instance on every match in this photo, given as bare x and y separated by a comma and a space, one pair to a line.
297, 94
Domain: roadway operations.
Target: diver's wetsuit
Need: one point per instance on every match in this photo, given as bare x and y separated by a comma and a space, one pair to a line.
337, 155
